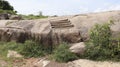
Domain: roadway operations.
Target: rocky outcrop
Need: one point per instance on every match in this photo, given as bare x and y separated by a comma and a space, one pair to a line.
52, 31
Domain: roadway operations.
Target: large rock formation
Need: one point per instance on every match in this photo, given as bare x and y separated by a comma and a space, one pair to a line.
52, 31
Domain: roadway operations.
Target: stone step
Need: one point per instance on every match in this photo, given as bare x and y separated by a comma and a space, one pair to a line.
61, 24
64, 26
56, 24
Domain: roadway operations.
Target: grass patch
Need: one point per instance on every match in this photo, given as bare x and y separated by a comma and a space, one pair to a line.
4, 47
34, 49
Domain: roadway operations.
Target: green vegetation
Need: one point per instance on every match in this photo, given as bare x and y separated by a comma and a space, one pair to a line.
5, 7
63, 54
7, 11
33, 49
5, 46
27, 49
31, 16
101, 45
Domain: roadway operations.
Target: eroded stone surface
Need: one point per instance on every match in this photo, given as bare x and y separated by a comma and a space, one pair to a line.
71, 29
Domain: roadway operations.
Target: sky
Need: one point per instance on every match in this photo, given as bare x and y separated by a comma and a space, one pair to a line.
63, 7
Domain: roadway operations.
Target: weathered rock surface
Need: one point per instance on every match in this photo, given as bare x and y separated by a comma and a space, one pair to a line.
41, 63
12, 54
88, 63
71, 29
35, 62
78, 48
76, 63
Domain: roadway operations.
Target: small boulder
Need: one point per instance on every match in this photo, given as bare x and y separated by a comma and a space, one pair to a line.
12, 53
78, 48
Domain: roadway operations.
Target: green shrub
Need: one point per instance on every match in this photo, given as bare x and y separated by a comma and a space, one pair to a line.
100, 35
33, 49
100, 46
62, 54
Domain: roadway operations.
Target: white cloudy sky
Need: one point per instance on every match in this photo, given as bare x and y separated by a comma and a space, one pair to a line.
64, 7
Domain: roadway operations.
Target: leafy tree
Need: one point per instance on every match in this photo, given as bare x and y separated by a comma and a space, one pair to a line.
4, 5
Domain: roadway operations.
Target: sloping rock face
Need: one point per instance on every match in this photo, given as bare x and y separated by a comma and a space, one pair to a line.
52, 31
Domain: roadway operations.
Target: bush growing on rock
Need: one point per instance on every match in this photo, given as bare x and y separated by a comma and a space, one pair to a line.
101, 46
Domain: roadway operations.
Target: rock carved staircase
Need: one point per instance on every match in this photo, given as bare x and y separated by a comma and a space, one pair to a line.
61, 24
